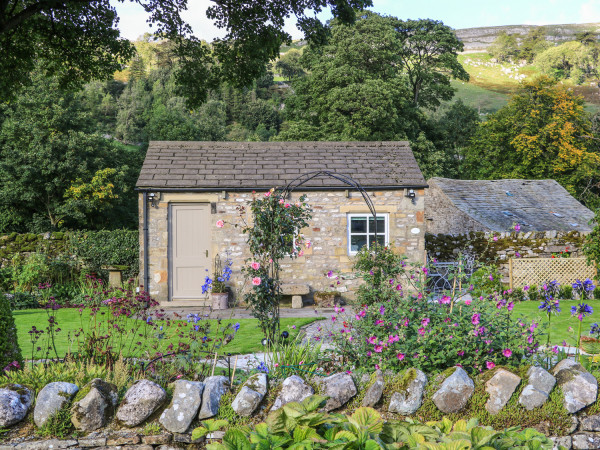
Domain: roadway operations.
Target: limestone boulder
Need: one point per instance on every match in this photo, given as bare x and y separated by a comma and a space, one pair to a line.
187, 398
375, 391
586, 441
340, 388
293, 389
96, 407
250, 395
579, 387
140, 401
51, 399
590, 423
537, 391
500, 388
409, 399
455, 392
15, 401
214, 388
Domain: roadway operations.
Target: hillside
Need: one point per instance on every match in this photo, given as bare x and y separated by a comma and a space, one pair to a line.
477, 39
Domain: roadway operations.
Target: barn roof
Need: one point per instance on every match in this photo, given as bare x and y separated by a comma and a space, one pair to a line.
256, 165
537, 205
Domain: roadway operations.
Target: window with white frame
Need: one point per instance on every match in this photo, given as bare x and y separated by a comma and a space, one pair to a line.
361, 231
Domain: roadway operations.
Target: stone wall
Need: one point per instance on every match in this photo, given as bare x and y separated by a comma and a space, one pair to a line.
560, 403
327, 232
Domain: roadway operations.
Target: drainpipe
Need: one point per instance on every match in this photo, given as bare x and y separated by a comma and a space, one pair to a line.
145, 241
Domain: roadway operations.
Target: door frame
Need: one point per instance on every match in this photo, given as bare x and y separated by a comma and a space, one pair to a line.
170, 246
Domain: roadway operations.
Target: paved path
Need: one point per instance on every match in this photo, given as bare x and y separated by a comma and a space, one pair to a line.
243, 313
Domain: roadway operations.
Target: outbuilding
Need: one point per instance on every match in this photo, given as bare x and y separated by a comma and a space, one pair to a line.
186, 187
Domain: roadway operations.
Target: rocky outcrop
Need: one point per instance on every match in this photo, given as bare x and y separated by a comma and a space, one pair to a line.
455, 392
375, 391
214, 388
187, 398
409, 399
579, 387
51, 399
293, 389
539, 385
140, 401
96, 407
15, 401
250, 395
340, 388
500, 388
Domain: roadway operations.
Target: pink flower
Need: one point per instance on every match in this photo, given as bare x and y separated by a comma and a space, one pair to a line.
419, 296
517, 227
287, 205
468, 301
301, 253
425, 321
293, 327
460, 353
281, 201
490, 365
220, 224
491, 278
555, 349
525, 288
256, 281
399, 287
276, 365
400, 356
422, 331
495, 238
369, 353
308, 244
376, 366
379, 322
372, 340
270, 260
255, 265
301, 362
444, 300
378, 348
268, 194
510, 306
507, 352
475, 319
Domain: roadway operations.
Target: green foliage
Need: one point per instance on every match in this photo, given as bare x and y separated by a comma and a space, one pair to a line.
591, 245
486, 280
58, 424
289, 65
301, 426
273, 235
504, 47
292, 357
538, 135
566, 292
10, 353
378, 266
570, 60
106, 248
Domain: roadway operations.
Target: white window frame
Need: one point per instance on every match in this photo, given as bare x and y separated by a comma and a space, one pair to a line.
349, 218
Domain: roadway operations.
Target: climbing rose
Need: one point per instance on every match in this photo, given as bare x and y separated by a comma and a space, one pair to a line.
256, 281
268, 194
287, 205
256, 265
220, 224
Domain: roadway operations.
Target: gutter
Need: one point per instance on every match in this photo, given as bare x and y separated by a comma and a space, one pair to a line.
300, 188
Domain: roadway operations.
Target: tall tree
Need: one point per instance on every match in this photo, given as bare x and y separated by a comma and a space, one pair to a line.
289, 65
543, 132
429, 57
78, 40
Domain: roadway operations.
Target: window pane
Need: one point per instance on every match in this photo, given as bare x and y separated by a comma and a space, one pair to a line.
380, 239
357, 242
358, 225
380, 225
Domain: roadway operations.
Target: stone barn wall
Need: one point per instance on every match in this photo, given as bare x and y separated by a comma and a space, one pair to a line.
327, 233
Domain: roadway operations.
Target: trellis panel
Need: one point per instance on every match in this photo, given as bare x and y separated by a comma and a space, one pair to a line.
537, 271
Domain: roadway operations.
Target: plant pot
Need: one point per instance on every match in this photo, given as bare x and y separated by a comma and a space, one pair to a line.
219, 300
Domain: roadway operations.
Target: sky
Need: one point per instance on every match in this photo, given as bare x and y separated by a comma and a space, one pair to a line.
455, 13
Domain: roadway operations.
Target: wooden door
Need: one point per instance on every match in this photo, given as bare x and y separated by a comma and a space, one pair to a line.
190, 238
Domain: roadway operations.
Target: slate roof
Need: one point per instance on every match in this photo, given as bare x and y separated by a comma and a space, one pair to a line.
537, 205
255, 165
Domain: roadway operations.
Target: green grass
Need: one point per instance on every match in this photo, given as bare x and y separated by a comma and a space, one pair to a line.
247, 339
560, 323
483, 100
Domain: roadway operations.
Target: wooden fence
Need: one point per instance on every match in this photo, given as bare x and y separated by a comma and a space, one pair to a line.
537, 271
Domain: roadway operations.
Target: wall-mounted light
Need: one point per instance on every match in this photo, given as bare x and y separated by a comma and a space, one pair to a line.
154, 199
410, 193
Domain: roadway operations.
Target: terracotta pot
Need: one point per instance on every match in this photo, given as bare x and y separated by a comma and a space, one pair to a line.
219, 300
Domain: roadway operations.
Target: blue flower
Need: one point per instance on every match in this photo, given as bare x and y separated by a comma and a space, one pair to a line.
236, 327
581, 310
263, 368
595, 329
549, 305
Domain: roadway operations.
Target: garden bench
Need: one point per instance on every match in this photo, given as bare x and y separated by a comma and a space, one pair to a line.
296, 291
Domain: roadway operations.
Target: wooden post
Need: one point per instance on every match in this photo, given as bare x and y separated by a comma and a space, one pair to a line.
234, 367
510, 273
214, 364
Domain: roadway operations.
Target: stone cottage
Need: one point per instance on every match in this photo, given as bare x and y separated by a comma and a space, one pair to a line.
461, 206
185, 187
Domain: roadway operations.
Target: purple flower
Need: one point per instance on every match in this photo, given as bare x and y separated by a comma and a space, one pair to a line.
550, 306
382, 310
517, 227
581, 310
475, 319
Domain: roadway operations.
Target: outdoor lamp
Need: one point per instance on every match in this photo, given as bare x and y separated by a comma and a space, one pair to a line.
264, 342
285, 335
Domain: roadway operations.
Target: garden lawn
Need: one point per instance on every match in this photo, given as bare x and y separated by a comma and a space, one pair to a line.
560, 323
247, 339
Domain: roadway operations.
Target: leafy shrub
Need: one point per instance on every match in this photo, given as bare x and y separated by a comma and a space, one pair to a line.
10, 353
485, 281
107, 248
58, 424
533, 293
566, 292
302, 425
22, 300
597, 293
378, 266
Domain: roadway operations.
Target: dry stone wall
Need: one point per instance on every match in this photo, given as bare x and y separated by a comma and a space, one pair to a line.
327, 232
